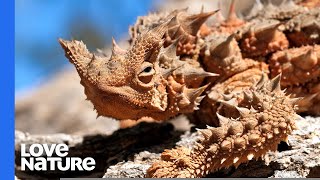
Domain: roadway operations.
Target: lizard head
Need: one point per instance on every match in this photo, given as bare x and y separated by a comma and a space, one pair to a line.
131, 84
126, 84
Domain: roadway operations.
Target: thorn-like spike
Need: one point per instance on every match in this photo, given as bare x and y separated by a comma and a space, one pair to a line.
222, 120
202, 9
194, 22
294, 101
232, 102
232, 14
269, 3
199, 99
171, 50
208, 74
213, 149
284, 90
250, 156
78, 55
147, 45
258, 2
236, 159
161, 29
269, 135
253, 110
270, 30
274, 84
243, 111
219, 16
224, 49
206, 133
310, 97
230, 38
227, 97
251, 31
93, 59
223, 160
311, 54
256, 97
306, 60
247, 96
209, 127
177, 33
192, 94
116, 50
167, 72
262, 80
197, 73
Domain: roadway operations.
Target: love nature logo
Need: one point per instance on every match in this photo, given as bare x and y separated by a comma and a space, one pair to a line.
43, 157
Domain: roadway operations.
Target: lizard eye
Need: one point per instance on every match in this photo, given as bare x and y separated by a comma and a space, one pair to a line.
146, 73
147, 69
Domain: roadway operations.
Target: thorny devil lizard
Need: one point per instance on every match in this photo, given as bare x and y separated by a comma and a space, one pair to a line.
217, 74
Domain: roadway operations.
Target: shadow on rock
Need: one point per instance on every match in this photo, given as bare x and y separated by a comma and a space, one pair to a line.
106, 150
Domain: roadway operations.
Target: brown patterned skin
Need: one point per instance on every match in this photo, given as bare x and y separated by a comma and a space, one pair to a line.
232, 87
300, 68
117, 84
261, 38
182, 26
140, 81
171, 68
267, 119
304, 29
222, 55
236, 74
297, 65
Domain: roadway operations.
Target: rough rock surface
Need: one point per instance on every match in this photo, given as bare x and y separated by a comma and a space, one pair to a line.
128, 153
106, 150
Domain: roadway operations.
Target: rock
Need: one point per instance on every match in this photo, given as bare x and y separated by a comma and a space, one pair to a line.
128, 153
107, 150
132, 169
303, 155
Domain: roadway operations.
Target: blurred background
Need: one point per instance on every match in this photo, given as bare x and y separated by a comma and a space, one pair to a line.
40, 23
49, 97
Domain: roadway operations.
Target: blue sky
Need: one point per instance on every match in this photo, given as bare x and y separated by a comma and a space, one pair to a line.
39, 23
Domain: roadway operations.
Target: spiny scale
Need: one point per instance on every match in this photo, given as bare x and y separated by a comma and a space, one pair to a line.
235, 142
